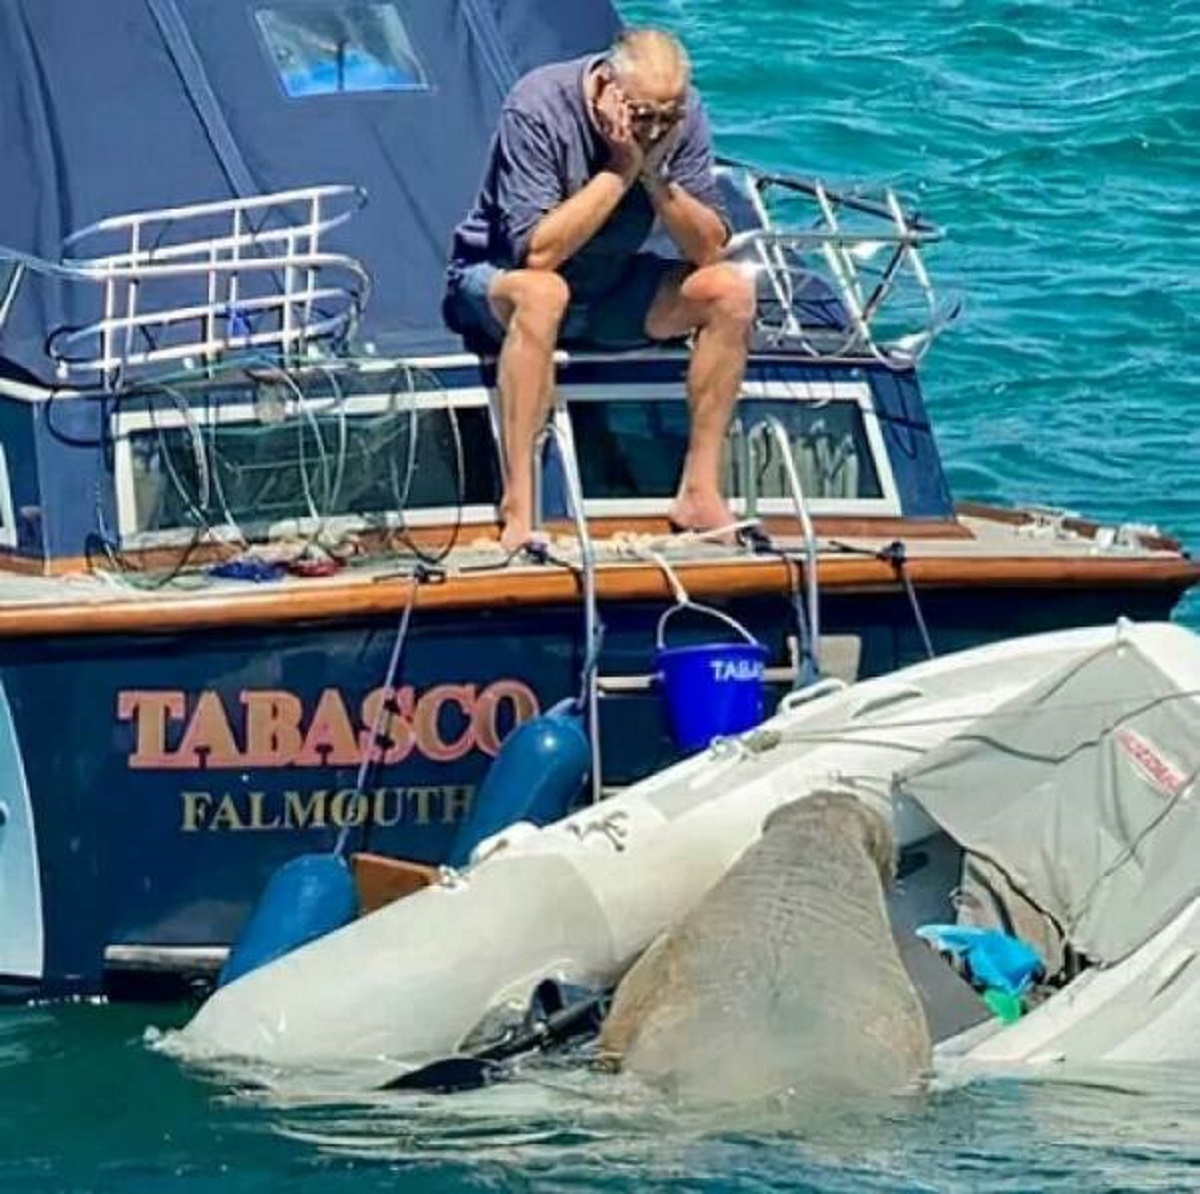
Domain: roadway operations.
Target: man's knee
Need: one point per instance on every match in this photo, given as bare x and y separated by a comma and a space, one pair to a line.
536, 298
725, 293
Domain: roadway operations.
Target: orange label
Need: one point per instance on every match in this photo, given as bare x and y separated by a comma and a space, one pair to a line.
271, 728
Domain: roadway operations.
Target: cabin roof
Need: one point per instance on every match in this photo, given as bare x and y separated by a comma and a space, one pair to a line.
129, 105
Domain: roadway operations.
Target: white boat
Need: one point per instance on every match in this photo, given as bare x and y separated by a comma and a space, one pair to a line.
1083, 742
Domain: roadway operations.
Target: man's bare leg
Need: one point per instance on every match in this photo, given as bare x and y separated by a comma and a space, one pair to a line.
717, 301
531, 305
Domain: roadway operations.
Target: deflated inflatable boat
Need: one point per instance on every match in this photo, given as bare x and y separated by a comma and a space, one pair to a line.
1064, 763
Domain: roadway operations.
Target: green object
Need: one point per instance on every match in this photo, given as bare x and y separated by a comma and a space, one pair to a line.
1004, 1005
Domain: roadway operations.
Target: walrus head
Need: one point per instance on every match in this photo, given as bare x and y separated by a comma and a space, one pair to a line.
809, 813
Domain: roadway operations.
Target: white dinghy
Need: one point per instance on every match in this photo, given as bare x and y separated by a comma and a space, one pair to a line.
988, 746
1078, 804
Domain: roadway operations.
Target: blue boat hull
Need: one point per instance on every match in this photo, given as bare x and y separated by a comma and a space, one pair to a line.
168, 776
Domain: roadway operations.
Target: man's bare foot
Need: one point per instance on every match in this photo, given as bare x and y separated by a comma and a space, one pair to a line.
694, 513
517, 534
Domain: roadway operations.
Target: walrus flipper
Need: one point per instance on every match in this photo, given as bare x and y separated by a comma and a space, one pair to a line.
637, 993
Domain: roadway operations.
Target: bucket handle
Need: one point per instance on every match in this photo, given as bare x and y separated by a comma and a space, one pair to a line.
687, 603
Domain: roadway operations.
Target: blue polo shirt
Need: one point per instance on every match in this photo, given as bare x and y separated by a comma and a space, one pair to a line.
545, 149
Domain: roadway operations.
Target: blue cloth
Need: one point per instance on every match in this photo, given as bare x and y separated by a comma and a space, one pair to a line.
996, 960
256, 571
615, 319
545, 149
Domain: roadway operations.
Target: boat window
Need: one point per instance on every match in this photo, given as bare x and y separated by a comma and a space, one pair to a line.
829, 449
311, 465
631, 449
323, 47
8, 523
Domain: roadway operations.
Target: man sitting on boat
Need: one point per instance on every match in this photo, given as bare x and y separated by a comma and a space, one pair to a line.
588, 154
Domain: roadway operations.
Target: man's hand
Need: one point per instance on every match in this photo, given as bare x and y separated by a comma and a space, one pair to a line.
655, 156
612, 115
695, 228
562, 231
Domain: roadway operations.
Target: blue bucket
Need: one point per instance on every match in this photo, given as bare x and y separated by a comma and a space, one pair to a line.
710, 689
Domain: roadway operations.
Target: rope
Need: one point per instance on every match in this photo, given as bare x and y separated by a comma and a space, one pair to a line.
677, 590
431, 559
895, 554
195, 472
379, 739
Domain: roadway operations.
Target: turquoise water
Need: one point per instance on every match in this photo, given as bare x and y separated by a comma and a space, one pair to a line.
85, 1107
1059, 143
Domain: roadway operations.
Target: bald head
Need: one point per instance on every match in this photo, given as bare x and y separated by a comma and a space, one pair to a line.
650, 64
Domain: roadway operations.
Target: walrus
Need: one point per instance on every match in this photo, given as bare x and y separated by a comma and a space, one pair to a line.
785, 979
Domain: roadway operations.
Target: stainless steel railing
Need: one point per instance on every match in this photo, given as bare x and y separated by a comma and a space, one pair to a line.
192, 284
852, 284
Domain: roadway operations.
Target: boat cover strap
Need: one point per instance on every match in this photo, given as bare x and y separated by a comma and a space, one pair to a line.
493, 51
191, 71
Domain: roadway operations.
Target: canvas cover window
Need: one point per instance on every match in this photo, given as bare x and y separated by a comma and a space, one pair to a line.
321, 47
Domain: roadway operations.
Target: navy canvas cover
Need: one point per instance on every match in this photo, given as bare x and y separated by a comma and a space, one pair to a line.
127, 105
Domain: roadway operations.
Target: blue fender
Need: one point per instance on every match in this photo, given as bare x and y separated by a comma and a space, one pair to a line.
306, 898
538, 773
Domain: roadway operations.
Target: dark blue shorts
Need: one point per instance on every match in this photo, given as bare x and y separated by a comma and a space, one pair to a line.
614, 319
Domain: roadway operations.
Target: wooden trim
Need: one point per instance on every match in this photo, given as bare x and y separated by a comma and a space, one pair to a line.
436, 538
11, 561
1016, 517
828, 527
344, 598
165, 556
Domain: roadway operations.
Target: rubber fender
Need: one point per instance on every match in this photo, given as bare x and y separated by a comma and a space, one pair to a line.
536, 776
306, 898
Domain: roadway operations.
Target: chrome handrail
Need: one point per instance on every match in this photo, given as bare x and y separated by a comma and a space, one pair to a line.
764, 181
558, 429
354, 197
249, 273
830, 260
764, 432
